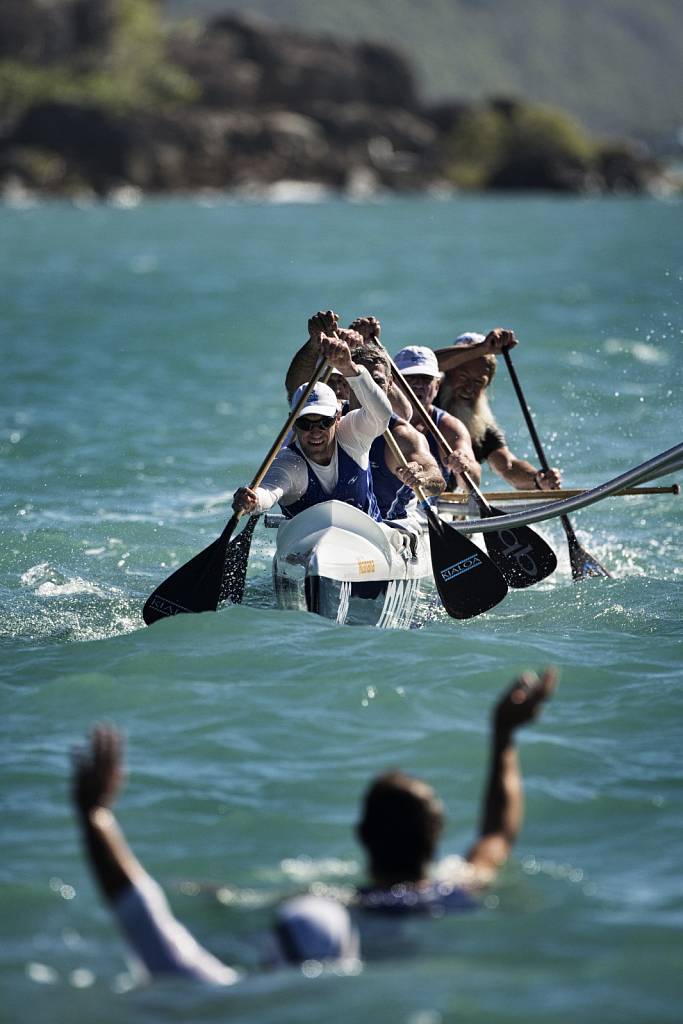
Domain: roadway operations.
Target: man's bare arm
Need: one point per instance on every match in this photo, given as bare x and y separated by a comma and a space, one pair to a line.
521, 474
503, 805
451, 356
305, 360
97, 777
424, 469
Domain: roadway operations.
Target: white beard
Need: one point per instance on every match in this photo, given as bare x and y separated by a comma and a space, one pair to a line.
477, 416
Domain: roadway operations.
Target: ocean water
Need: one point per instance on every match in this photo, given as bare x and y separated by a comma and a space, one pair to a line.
143, 355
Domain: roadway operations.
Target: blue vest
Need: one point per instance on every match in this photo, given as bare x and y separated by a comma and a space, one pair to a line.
354, 486
437, 415
392, 495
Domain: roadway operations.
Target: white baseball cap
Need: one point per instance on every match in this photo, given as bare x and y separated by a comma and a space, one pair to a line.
322, 400
417, 359
469, 338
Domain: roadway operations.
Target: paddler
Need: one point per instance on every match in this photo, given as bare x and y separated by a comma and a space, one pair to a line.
393, 486
469, 365
418, 363
328, 457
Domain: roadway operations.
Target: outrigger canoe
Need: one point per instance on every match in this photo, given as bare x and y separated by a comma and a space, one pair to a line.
334, 560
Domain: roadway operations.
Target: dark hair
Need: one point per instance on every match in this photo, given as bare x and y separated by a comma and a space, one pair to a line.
370, 353
401, 825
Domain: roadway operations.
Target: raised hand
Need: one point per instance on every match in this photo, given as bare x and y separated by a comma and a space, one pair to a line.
523, 699
322, 323
499, 339
97, 769
368, 327
338, 354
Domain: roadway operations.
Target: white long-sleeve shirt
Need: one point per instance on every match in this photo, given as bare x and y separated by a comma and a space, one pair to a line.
287, 479
160, 942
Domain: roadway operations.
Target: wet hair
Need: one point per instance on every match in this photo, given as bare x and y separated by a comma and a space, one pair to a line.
401, 825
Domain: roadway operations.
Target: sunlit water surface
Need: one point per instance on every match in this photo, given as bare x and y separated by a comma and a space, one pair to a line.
143, 355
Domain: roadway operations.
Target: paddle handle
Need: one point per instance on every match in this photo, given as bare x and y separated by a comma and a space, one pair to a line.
545, 466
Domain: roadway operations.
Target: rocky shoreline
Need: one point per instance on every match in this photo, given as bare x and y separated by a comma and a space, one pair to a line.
269, 106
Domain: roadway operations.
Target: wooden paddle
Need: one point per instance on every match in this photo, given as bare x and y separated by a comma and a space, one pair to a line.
522, 556
582, 563
219, 571
467, 580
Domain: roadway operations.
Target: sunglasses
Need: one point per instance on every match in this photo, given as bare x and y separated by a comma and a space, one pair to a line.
305, 423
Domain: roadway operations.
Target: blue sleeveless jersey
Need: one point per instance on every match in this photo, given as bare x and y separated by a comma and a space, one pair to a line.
437, 415
354, 486
392, 495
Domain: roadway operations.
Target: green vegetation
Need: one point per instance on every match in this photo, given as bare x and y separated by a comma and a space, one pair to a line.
491, 138
617, 65
130, 73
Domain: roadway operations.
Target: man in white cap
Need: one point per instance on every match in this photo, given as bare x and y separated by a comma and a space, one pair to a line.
419, 364
328, 457
468, 367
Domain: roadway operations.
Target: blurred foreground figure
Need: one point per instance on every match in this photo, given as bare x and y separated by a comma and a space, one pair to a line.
401, 823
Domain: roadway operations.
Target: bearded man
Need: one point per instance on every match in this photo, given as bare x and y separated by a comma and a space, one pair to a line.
469, 365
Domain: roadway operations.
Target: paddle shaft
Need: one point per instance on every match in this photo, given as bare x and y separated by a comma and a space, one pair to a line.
545, 465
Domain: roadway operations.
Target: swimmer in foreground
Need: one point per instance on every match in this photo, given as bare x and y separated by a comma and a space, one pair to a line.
402, 818
400, 827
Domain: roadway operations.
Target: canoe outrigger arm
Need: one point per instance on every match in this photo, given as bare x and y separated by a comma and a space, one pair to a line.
667, 462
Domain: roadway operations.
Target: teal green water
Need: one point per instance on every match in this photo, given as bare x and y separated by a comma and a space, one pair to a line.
143, 354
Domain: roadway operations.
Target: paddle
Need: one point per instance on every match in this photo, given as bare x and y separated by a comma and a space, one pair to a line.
582, 563
219, 571
522, 556
467, 580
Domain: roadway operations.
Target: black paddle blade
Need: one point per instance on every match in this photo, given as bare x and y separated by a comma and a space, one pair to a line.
522, 556
195, 586
467, 580
583, 564
235, 566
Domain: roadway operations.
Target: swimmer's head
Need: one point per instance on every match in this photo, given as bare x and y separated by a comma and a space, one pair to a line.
400, 827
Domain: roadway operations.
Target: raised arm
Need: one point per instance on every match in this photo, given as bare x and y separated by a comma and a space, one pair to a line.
163, 945
452, 356
97, 777
503, 804
305, 360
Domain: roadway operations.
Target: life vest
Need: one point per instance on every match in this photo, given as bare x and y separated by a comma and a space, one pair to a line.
354, 486
392, 495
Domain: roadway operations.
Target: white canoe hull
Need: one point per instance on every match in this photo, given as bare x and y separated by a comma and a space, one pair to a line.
335, 560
